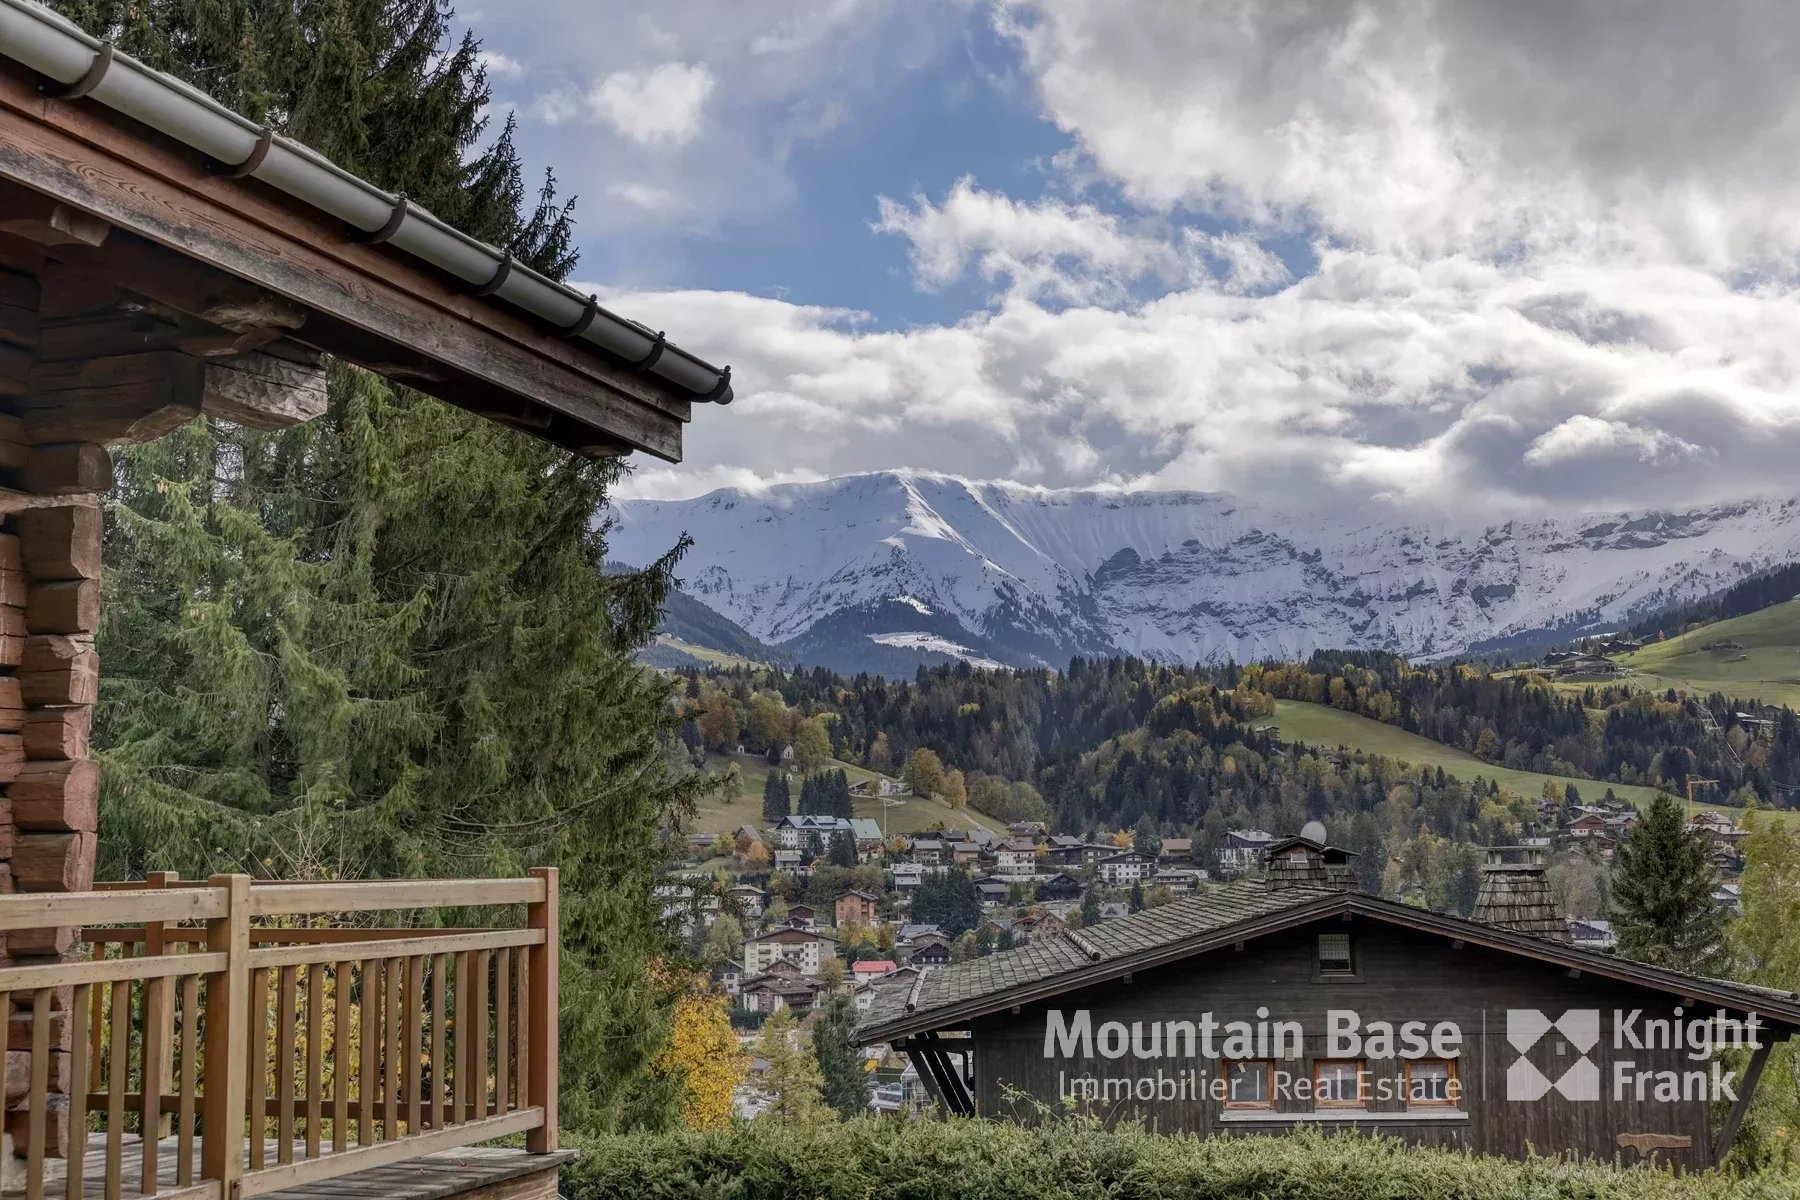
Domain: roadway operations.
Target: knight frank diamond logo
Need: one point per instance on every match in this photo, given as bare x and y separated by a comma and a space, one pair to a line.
1577, 1031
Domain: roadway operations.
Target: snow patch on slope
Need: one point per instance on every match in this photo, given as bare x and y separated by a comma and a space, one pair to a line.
932, 642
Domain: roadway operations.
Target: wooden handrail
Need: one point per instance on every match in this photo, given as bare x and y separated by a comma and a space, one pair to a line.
326, 1050
447, 943
294, 899
45, 910
111, 970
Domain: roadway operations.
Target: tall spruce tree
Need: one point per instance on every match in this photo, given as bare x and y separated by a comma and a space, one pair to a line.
382, 643
843, 1082
1662, 894
775, 796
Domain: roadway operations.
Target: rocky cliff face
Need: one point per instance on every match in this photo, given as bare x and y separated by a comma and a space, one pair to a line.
884, 571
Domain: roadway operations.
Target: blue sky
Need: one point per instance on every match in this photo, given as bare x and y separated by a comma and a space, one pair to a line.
1390, 254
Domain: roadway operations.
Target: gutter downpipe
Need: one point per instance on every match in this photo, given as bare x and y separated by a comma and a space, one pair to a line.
78, 64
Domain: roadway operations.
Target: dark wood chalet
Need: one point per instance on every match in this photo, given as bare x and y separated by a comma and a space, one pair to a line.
1266, 1005
162, 257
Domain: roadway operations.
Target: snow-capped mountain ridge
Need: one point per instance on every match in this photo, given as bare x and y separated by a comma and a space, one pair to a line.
1027, 575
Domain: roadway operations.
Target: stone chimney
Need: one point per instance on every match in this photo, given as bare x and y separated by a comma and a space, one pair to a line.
1515, 895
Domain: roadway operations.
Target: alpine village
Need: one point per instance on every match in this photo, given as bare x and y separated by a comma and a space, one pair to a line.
368, 831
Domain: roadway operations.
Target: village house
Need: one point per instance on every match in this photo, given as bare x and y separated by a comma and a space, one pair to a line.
1123, 870
929, 952
928, 852
907, 878
1176, 851
869, 842
857, 907
802, 916
794, 831
912, 932
1728, 899
1588, 825
1016, 857
993, 890
750, 899
1591, 666
1030, 831
964, 853
1593, 934
728, 976
704, 845
1036, 925
1180, 883
687, 905
806, 949
1243, 851
1061, 886
867, 969
866, 989
1496, 1035
780, 989
791, 862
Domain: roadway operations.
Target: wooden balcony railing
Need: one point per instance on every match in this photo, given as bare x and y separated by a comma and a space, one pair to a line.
252, 1040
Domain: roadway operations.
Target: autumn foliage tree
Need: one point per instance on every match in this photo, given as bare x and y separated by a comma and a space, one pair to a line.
704, 1052
924, 773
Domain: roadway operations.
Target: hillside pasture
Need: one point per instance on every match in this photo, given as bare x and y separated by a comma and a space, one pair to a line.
1752, 657
905, 814
1319, 725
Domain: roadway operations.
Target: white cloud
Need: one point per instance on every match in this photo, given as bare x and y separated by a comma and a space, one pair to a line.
663, 104
499, 66
644, 196
1454, 384
1071, 252
1438, 126
660, 106
1582, 438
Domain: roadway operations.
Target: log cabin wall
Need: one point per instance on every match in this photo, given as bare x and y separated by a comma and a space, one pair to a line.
49, 671
1401, 975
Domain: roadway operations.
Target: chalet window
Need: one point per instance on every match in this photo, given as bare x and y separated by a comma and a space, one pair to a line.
1338, 1083
1247, 1085
1335, 954
1432, 1083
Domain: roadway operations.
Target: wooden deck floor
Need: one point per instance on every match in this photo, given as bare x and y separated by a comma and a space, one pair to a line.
431, 1177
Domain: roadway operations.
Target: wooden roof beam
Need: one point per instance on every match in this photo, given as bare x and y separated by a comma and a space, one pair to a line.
192, 240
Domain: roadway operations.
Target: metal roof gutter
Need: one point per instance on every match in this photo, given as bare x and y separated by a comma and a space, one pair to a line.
76, 64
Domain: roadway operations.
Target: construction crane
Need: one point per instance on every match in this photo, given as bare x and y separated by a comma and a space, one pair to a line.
1693, 783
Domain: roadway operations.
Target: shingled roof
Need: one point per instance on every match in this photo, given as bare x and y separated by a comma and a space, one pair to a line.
1045, 959
1047, 966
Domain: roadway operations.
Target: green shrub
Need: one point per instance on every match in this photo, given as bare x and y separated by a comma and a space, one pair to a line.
875, 1159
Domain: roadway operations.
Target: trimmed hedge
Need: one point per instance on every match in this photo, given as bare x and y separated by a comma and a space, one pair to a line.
875, 1159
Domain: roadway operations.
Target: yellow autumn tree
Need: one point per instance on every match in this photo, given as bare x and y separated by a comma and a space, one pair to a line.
705, 1051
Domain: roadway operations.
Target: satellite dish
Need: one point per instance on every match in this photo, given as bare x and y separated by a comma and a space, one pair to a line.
1313, 831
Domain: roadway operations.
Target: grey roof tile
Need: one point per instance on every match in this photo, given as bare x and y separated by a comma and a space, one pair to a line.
1043, 958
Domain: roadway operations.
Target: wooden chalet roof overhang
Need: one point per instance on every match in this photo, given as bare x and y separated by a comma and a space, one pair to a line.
165, 250
951, 998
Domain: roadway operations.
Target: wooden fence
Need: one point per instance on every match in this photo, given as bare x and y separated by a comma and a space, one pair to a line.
227, 1038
